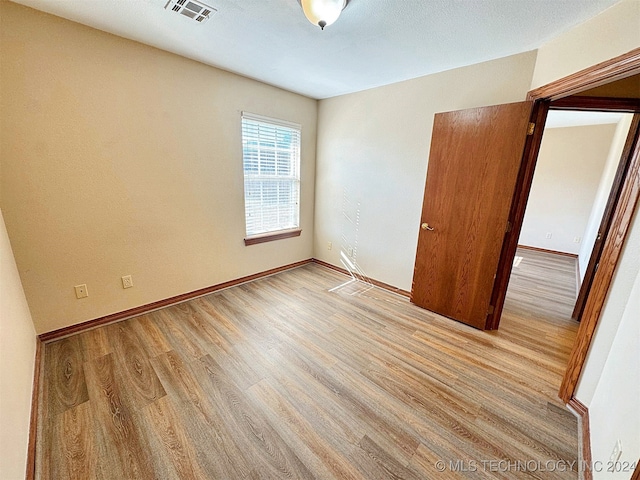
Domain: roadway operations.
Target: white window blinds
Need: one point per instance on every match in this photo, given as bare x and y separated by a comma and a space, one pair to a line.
271, 163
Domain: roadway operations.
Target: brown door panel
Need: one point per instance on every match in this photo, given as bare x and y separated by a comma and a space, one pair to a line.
473, 167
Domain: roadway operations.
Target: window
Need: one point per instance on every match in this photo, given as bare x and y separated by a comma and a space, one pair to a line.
271, 164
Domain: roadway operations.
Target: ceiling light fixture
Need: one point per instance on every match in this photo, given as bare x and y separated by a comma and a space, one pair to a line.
323, 12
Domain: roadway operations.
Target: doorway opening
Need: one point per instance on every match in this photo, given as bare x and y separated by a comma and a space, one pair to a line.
613, 85
573, 183
480, 172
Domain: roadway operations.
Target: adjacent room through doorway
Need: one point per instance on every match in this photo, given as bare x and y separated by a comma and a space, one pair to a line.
574, 175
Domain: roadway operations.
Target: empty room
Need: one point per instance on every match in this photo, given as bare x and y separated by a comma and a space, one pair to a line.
332, 239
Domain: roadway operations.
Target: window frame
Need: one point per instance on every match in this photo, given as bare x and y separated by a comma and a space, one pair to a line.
279, 234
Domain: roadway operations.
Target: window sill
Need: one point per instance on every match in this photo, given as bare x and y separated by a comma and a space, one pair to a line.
271, 236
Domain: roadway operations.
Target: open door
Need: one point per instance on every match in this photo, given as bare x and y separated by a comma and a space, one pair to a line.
474, 163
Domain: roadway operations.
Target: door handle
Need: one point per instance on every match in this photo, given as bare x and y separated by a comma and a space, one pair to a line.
425, 226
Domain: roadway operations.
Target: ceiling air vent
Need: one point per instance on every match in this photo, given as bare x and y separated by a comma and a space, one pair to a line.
192, 9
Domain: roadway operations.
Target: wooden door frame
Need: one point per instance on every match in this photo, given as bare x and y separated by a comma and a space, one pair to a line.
607, 217
516, 214
586, 104
603, 73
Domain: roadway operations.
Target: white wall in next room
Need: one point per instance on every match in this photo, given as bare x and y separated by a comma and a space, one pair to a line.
565, 183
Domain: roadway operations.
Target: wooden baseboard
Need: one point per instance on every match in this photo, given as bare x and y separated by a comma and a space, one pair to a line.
35, 409
373, 281
134, 312
544, 250
574, 403
585, 453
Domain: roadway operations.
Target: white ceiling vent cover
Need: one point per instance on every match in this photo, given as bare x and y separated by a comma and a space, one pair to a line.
192, 9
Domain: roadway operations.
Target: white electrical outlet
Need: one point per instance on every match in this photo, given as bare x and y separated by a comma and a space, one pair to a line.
81, 291
577, 239
350, 251
617, 452
329, 246
127, 281
548, 235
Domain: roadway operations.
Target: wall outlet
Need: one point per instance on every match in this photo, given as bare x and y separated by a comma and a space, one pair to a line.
329, 246
548, 235
617, 452
577, 239
350, 251
81, 291
127, 281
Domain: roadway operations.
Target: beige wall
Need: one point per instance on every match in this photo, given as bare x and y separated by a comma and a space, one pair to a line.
118, 158
17, 356
374, 146
121, 159
568, 172
618, 391
614, 32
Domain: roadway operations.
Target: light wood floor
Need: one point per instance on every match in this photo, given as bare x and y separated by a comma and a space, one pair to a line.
544, 285
281, 378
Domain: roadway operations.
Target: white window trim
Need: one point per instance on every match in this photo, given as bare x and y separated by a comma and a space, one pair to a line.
282, 233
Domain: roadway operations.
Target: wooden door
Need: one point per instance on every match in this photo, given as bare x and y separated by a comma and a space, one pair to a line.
473, 168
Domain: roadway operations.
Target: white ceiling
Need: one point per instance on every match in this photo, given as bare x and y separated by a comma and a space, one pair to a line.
567, 118
373, 43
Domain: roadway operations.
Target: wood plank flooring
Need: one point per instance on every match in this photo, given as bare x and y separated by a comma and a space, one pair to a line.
544, 285
280, 378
